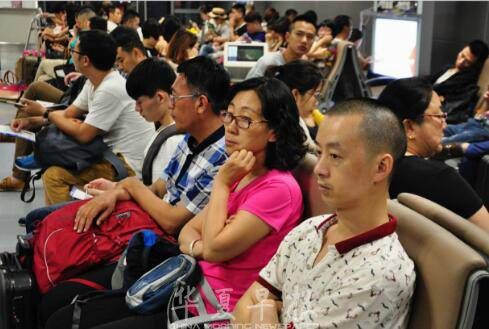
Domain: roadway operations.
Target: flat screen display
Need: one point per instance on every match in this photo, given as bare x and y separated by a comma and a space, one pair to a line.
237, 53
395, 47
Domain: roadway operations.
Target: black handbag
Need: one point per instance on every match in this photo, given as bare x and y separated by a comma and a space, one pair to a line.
55, 148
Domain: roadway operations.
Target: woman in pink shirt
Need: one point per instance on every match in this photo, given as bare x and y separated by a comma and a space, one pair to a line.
255, 202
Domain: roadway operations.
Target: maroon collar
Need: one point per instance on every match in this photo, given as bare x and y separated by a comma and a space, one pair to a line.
363, 238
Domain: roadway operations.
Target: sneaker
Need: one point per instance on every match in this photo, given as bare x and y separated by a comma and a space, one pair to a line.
27, 163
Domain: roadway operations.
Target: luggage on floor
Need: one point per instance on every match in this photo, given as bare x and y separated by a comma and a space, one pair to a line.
18, 294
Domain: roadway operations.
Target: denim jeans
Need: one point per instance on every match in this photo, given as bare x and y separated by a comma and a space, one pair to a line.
37, 215
470, 131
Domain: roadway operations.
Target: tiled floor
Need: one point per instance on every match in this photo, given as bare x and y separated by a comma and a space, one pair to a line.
11, 207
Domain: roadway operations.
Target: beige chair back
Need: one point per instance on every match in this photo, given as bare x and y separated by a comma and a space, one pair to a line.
443, 266
483, 82
464, 230
303, 173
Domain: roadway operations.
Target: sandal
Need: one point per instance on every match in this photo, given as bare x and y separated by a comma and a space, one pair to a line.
8, 184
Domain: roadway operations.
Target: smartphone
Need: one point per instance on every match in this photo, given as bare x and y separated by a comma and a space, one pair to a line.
78, 194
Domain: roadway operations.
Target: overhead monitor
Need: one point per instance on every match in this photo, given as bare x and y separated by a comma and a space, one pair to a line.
395, 47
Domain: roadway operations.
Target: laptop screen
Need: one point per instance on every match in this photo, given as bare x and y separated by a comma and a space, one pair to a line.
244, 53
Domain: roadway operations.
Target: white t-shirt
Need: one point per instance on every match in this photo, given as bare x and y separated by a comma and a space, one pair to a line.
445, 76
111, 109
111, 26
366, 281
273, 58
164, 154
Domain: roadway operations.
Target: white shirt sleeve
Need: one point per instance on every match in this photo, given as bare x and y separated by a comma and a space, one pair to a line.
104, 111
81, 101
164, 155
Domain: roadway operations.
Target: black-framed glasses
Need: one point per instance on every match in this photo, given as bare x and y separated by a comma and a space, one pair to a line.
242, 121
72, 50
175, 98
441, 116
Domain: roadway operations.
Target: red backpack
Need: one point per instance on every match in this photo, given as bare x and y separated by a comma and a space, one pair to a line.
61, 253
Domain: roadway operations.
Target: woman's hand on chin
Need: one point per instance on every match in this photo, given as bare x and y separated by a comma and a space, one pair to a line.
238, 165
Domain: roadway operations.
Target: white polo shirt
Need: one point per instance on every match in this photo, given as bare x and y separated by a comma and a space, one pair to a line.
111, 109
363, 282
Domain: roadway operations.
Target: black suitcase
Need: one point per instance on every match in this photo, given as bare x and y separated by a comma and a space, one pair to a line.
18, 294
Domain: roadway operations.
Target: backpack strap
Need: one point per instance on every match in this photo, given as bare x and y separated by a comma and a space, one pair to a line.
32, 179
78, 301
147, 169
173, 322
117, 163
87, 283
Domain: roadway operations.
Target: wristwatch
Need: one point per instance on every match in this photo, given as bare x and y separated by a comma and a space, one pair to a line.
45, 115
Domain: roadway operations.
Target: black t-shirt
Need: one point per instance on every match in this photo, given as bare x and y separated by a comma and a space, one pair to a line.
437, 182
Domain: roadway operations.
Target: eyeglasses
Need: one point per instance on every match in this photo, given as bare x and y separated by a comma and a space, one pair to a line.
441, 116
72, 50
242, 122
315, 94
174, 98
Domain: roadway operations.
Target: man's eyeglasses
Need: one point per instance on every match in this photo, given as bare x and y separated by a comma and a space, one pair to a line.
72, 50
242, 121
174, 98
441, 116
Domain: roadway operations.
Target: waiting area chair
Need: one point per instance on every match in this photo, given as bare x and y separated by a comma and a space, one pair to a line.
448, 272
345, 80
304, 174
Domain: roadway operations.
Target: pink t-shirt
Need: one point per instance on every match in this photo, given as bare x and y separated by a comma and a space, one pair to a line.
276, 199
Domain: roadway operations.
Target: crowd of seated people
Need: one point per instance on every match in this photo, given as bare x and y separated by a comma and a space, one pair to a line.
211, 162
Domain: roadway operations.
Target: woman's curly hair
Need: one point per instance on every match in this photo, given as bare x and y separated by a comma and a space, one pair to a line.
280, 110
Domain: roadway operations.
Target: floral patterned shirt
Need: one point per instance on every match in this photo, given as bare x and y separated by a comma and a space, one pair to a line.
366, 281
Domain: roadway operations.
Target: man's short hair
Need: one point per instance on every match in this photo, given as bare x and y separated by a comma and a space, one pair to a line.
479, 49
290, 12
130, 14
239, 7
99, 47
148, 77
151, 28
127, 38
380, 129
109, 8
86, 11
341, 21
280, 25
205, 76
170, 26
308, 18
356, 35
270, 14
98, 23
253, 17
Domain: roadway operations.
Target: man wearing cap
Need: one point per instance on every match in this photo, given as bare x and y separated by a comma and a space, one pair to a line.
218, 31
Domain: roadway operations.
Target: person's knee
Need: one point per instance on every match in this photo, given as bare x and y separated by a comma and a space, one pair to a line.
54, 175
